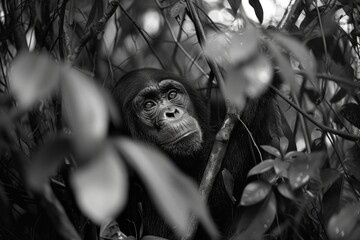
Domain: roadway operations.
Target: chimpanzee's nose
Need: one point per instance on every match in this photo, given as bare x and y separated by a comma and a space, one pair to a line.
172, 113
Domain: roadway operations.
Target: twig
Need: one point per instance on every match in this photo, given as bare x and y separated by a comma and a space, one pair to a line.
143, 35
179, 45
334, 78
291, 14
61, 28
324, 128
95, 30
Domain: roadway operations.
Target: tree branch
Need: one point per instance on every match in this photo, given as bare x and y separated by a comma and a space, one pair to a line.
291, 14
143, 35
324, 128
222, 137
94, 30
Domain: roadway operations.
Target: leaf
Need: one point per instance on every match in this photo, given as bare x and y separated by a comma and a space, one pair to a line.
273, 151
281, 167
101, 186
286, 191
261, 167
260, 218
338, 96
86, 110
235, 4
229, 184
351, 112
328, 177
32, 77
254, 192
284, 144
302, 54
258, 9
175, 195
92, 13
244, 45
46, 161
331, 199
341, 225
304, 167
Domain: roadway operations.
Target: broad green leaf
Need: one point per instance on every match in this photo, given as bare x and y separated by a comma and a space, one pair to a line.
254, 192
303, 167
175, 195
101, 185
328, 177
46, 161
298, 172
341, 225
270, 149
86, 110
256, 220
32, 77
261, 167
286, 191
281, 167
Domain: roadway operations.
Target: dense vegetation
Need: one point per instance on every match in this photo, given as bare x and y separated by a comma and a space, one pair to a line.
62, 176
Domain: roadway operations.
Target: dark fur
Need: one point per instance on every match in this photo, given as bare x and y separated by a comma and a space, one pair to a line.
240, 156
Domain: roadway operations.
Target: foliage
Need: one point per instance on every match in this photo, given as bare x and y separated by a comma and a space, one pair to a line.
62, 174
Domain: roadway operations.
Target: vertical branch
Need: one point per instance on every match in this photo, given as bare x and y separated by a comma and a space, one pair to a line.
95, 30
291, 14
61, 28
219, 148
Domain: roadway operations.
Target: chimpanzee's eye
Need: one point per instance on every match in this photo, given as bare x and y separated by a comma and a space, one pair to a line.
172, 94
149, 104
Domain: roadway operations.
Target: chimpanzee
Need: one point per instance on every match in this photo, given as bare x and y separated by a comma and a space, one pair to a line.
164, 109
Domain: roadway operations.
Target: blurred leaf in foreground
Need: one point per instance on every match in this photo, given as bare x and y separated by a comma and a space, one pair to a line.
101, 185
86, 110
174, 194
32, 77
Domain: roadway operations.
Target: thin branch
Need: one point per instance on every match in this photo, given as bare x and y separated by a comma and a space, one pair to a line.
324, 128
143, 35
202, 41
291, 14
61, 28
213, 167
94, 30
334, 78
179, 45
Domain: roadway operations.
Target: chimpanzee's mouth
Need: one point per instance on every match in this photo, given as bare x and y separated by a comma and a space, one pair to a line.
178, 139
